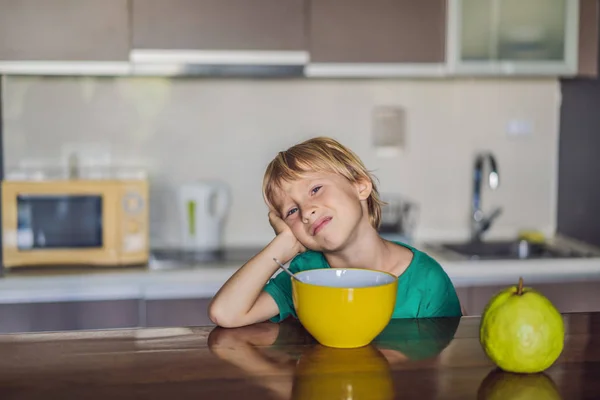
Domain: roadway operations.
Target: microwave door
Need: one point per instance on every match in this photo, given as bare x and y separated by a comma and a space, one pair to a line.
59, 222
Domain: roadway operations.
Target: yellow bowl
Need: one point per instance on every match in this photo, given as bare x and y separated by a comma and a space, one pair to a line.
344, 308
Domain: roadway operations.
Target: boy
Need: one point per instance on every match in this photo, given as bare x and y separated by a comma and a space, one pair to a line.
325, 210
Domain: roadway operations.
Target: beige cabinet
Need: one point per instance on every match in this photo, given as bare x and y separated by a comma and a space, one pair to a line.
377, 37
218, 32
64, 36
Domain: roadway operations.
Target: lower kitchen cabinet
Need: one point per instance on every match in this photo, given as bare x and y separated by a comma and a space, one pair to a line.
463, 297
115, 314
67, 316
177, 312
106, 314
566, 297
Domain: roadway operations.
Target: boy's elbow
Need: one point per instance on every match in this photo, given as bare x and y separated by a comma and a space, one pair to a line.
222, 318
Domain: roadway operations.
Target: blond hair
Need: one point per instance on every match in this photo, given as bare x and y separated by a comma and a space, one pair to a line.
320, 154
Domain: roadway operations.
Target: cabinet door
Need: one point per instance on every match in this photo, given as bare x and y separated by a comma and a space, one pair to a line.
377, 31
64, 30
513, 36
566, 297
479, 296
177, 312
573, 297
589, 40
270, 25
66, 316
464, 295
369, 32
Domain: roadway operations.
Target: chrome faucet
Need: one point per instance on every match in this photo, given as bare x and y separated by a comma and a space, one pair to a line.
479, 222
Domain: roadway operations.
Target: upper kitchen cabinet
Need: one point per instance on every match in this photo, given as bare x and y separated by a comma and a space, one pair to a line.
513, 37
589, 43
377, 38
186, 36
64, 37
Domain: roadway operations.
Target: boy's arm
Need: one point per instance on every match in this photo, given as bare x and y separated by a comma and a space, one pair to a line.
250, 349
241, 301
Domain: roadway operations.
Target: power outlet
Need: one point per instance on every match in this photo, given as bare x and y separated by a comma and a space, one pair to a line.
388, 130
519, 127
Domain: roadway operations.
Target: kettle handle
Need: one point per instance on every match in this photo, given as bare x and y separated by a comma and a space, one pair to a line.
222, 199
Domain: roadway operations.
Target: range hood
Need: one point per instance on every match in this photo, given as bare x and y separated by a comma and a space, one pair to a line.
163, 62
83, 68
174, 63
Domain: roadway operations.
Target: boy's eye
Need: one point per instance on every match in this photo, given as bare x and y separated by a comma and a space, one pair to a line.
292, 211
315, 189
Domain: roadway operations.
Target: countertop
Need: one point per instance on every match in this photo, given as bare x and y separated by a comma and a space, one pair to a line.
421, 359
202, 279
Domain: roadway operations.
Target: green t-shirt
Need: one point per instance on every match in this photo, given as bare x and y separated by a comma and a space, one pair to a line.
424, 288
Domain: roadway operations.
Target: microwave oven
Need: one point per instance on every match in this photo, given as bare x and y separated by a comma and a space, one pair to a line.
98, 222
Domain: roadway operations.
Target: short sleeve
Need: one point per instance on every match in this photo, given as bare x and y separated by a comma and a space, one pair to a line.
280, 289
280, 286
442, 300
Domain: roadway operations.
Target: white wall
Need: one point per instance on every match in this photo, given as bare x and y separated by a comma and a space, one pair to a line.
186, 129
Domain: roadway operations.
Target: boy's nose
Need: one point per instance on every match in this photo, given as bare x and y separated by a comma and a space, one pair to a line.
307, 217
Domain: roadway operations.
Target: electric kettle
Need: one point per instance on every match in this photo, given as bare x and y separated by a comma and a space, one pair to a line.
203, 207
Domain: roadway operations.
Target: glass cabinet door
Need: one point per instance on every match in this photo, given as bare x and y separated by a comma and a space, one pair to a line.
533, 37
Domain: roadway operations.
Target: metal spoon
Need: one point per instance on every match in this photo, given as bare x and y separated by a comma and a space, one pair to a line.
286, 270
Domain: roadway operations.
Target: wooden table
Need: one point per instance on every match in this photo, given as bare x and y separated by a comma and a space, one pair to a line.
421, 359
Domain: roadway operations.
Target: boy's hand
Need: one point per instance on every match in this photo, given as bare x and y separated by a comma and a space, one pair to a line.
282, 230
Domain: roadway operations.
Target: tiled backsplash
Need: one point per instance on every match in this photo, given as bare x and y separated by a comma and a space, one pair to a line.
187, 129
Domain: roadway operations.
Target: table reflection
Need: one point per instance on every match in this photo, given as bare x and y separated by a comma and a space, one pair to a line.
505, 385
285, 359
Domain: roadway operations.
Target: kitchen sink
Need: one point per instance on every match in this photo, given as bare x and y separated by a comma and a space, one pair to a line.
508, 250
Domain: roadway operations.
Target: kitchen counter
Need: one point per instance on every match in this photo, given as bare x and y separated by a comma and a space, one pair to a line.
424, 359
203, 279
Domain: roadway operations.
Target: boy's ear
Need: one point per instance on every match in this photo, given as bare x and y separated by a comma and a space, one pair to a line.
364, 187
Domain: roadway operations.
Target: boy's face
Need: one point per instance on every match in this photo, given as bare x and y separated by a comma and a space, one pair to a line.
323, 210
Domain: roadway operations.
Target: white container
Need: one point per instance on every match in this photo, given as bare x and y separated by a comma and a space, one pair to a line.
203, 207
